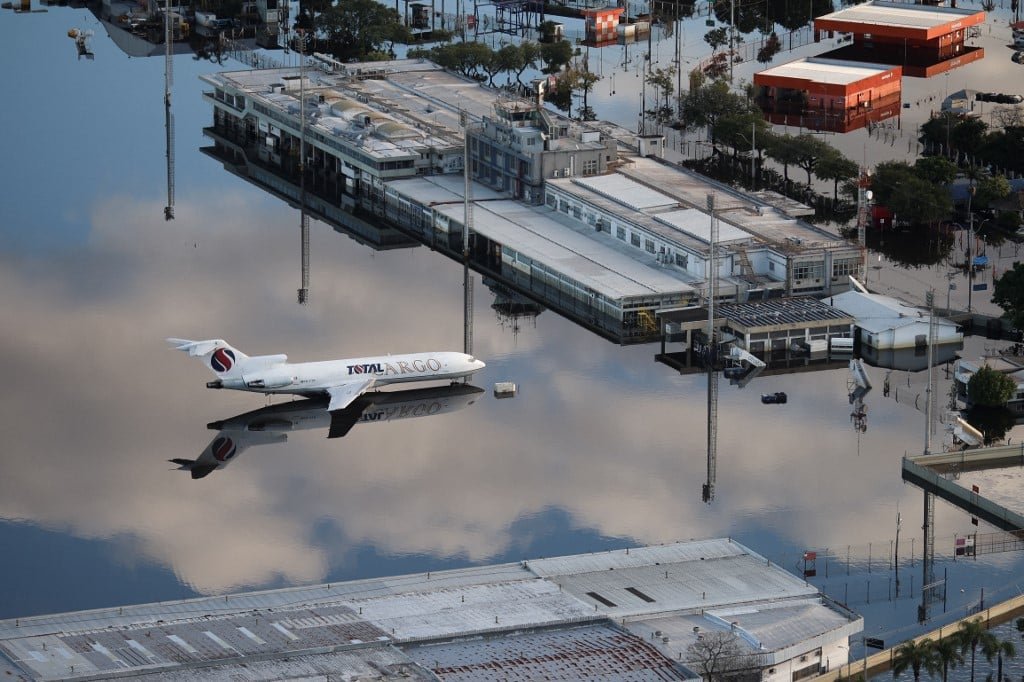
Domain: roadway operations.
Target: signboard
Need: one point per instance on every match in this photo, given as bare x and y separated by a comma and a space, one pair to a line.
874, 643
980, 287
965, 546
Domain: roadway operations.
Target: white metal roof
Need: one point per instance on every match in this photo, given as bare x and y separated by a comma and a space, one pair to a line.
832, 71
698, 224
626, 191
899, 14
365, 617
877, 313
537, 234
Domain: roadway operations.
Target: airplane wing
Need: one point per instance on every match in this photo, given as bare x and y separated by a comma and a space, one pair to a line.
343, 420
344, 393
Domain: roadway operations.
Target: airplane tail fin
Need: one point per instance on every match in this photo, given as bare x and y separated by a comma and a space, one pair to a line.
217, 354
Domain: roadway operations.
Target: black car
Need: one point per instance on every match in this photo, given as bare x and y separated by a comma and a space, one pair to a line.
773, 398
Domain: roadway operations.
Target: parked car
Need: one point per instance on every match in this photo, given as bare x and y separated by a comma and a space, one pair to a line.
1018, 57
773, 398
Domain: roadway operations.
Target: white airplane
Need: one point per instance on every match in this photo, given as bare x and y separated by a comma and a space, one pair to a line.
341, 380
271, 425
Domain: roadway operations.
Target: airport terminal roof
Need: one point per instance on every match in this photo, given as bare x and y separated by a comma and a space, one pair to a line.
821, 70
443, 624
538, 234
765, 222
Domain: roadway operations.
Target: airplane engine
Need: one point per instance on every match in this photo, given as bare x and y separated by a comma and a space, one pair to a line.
270, 380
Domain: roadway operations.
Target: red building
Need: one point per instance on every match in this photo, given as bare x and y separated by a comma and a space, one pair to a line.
602, 25
923, 39
828, 94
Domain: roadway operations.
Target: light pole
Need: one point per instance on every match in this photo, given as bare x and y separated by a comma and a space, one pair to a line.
863, 197
970, 243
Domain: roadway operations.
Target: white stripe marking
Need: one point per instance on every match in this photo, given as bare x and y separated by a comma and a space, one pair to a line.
138, 647
245, 631
280, 628
38, 656
105, 651
218, 640
183, 644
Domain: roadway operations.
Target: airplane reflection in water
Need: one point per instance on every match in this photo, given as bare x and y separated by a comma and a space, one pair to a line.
271, 424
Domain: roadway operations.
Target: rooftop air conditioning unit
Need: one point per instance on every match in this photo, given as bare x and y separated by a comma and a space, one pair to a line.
557, 173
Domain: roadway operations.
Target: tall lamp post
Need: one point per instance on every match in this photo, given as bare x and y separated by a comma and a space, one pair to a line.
864, 195
970, 244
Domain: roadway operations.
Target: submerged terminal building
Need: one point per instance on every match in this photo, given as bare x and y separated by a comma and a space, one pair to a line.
584, 218
645, 613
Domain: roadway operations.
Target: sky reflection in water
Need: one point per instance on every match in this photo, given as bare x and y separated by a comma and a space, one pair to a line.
601, 448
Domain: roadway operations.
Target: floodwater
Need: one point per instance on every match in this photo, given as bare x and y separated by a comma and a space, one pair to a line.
602, 447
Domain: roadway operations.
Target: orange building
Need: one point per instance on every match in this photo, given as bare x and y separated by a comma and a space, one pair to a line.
602, 25
828, 94
925, 40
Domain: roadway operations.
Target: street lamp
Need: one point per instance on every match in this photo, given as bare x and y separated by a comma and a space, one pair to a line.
753, 153
970, 243
864, 195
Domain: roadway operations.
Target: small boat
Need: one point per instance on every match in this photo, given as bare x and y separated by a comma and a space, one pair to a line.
773, 398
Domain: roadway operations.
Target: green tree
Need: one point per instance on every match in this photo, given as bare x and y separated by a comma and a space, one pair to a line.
947, 655
703, 106
935, 169
783, 150
663, 82
716, 38
735, 130
990, 388
772, 46
356, 28
914, 655
836, 167
970, 634
1009, 294
991, 188
809, 150
997, 648
555, 55
913, 199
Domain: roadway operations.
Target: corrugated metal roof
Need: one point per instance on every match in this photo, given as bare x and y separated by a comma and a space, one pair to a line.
499, 607
698, 224
591, 652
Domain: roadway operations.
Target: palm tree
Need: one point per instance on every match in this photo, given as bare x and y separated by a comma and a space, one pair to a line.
947, 655
993, 647
970, 634
914, 655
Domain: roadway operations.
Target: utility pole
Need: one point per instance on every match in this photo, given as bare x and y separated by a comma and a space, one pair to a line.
970, 245
711, 358
930, 391
168, 114
303, 293
753, 156
467, 224
732, 34
863, 196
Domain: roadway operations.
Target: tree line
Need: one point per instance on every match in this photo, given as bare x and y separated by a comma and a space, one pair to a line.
938, 657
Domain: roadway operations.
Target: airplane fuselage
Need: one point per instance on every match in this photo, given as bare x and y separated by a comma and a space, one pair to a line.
267, 374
